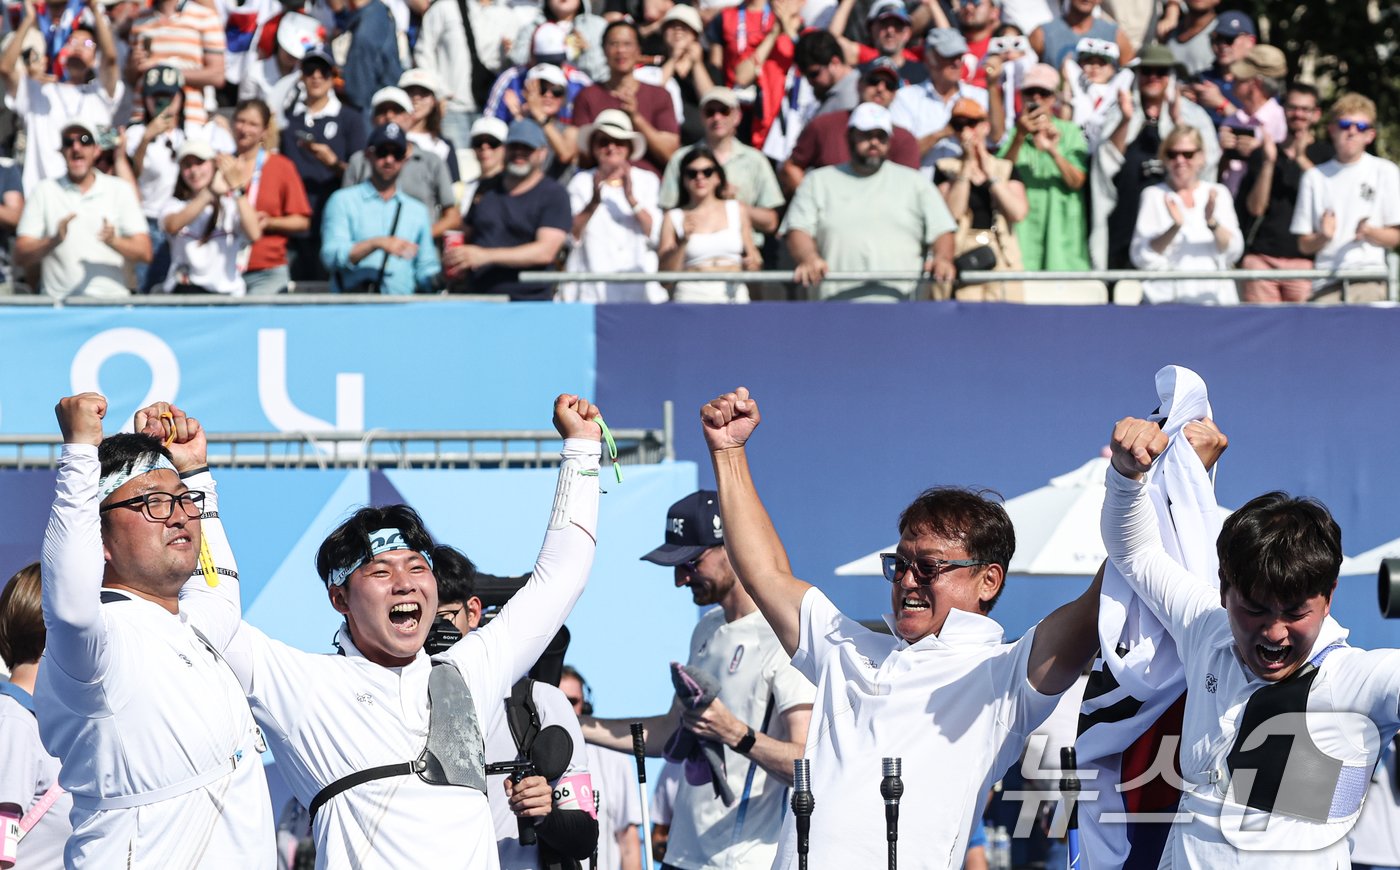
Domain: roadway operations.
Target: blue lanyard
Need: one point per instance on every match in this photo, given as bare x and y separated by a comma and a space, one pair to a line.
25, 699
741, 30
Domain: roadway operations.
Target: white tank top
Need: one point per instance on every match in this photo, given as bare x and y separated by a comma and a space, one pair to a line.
725, 244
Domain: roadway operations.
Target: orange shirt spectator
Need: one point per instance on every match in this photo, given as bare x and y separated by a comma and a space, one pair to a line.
184, 34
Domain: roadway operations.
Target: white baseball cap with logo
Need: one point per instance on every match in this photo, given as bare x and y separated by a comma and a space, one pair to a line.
870, 116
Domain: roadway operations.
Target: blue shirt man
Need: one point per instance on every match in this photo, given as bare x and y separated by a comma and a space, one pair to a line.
372, 230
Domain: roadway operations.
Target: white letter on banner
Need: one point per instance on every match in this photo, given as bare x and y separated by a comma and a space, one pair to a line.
277, 404
155, 353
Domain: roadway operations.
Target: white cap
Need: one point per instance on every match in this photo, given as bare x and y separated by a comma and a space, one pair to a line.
195, 148
422, 78
870, 116
493, 127
296, 33
685, 15
548, 40
547, 72
80, 124
391, 95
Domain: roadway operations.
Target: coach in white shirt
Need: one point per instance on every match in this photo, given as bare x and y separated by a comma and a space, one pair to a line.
945, 692
158, 747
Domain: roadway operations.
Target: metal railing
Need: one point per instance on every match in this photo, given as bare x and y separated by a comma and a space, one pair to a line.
379, 448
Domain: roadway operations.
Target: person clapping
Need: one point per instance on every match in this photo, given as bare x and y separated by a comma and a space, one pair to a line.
209, 223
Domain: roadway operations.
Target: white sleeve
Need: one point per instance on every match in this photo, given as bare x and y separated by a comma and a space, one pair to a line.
1388, 197
1152, 221
72, 568
214, 610
1228, 218
819, 621
1134, 544
493, 658
1306, 211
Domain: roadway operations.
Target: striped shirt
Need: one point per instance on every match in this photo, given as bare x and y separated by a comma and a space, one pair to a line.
186, 40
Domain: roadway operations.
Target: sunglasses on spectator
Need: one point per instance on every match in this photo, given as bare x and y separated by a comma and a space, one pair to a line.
1222, 39
603, 142
1159, 72
1183, 155
395, 151
553, 91
1358, 126
1039, 93
960, 124
72, 141
316, 69
694, 172
485, 142
712, 109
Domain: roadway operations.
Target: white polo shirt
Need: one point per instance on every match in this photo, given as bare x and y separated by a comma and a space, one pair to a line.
1352, 710
956, 707
157, 744
553, 709
48, 107
328, 716
83, 265
920, 110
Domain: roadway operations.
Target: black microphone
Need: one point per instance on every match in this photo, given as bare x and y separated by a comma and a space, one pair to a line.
892, 789
550, 755
802, 806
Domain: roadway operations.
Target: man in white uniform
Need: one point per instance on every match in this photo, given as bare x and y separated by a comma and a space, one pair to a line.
158, 747
615, 794
392, 778
759, 717
1284, 722
944, 693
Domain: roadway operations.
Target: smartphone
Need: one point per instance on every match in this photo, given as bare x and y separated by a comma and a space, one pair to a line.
305, 136
1245, 131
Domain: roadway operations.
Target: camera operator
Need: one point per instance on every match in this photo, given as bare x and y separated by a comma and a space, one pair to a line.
561, 811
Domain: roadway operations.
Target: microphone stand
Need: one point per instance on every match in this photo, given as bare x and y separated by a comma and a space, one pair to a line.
1069, 790
802, 805
891, 789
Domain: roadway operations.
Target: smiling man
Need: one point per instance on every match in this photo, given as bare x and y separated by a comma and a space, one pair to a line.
158, 747
944, 691
1284, 721
382, 743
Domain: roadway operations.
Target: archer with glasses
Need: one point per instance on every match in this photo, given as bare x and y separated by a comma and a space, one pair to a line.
157, 744
944, 691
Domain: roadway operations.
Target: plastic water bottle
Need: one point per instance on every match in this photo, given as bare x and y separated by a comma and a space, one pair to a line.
999, 855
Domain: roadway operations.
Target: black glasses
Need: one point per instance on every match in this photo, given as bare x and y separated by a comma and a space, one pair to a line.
925, 572
692, 173
1182, 155
485, 143
317, 69
1222, 39
715, 109
1359, 126
81, 139
1038, 93
159, 506
960, 124
554, 91
395, 151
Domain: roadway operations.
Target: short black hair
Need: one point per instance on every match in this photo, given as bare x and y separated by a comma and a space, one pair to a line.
455, 573
818, 48
120, 451
621, 22
1280, 549
973, 516
1305, 88
349, 543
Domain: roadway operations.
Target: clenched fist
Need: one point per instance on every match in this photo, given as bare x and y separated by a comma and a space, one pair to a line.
1136, 443
729, 420
80, 418
576, 417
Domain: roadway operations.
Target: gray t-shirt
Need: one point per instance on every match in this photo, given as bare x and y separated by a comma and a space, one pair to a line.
424, 177
1194, 53
26, 772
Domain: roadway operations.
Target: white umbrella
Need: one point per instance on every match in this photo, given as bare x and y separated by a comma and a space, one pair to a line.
1369, 562
1057, 527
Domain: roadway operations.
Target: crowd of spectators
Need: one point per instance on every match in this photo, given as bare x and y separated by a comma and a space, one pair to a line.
418, 146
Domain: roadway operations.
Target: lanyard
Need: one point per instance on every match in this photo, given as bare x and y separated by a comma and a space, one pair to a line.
245, 252
741, 30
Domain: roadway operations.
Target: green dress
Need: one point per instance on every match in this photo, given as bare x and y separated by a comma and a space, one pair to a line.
1055, 235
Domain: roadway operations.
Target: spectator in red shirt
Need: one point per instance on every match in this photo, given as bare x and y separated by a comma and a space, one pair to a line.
823, 141
272, 184
754, 43
890, 33
978, 20
650, 108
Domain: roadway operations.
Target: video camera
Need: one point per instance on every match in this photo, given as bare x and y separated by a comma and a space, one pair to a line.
1388, 588
494, 592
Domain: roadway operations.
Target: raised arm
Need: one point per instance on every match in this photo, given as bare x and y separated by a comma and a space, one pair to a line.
750, 540
72, 563
1065, 641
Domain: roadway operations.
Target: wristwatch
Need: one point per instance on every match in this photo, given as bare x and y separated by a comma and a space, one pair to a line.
746, 742
1212, 225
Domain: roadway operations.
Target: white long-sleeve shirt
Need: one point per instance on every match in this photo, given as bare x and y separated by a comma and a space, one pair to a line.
136, 706
1352, 709
1193, 247
328, 716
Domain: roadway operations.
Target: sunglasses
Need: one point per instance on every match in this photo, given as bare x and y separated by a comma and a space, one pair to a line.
925, 571
395, 151
693, 173
316, 69
1154, 72
1358, 126
960, 124
553, 91
73, 141
1224, 40
1038, 93
601, 143
1182, 155
712, 109
485, 143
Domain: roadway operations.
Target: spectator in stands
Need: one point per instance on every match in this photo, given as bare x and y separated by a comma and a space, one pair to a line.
274, 79
547, 62
1052, 158
1186, 223
422, 175
152, 147
271, 184
11, 207
489, 147
868, 215
1091, 83
1269, 192
1257, 80
835, 83
616, 218
925, 110
1127, 161
1233, 38
749, 178
1187, 33
614, 788
186, 36
754, 43
1058, 38
376, 239
546, 96
426, 96
320, 136
371, 54
986, 198
648, 107
517, 220
92, 91
707, 232
442, 50
210, 223
82, 226
585, 37
890, 33
1348, 212
29, 776
685, 68
823, 141
977, 21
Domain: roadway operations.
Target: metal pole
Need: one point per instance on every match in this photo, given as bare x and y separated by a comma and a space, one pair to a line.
639, 752
802, 806
891, 789
668, 428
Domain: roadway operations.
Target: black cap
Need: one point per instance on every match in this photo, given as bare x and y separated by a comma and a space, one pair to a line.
692, 527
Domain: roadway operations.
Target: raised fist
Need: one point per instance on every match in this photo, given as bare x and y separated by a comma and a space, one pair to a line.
1135, 444
182, 435
80, 418
576, 417
729, 420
